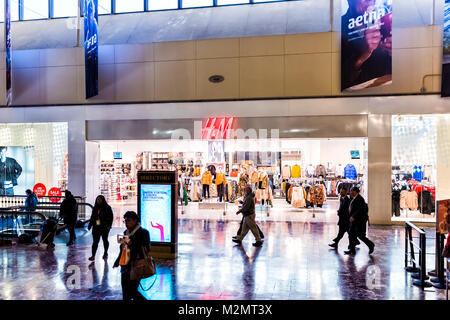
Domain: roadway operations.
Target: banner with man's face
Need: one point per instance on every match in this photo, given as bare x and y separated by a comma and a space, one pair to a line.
446, 58
366, 39
91, 46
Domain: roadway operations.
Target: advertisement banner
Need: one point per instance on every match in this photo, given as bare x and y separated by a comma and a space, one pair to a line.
156, 211
91, 47
445, 90
366, 44
16, 170
8, 52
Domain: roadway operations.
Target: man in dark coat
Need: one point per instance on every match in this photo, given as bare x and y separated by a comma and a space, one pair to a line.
359, 216
344, 218
248, 211
10, 172
69, 212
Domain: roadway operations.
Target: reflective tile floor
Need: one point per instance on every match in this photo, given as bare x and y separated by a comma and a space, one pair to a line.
294, 263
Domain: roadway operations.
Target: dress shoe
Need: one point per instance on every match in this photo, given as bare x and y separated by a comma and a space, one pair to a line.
371, 248
237, 241
92, 258
350, 252
258, 244
333, 245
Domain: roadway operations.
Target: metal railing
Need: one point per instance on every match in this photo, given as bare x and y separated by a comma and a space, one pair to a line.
14, 223
412, 264
48, 205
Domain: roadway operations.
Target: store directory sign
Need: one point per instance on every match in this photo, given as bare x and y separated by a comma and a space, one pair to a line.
158, 210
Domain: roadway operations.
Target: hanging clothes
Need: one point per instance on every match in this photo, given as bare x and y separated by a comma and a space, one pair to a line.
411, 200
310, 171
290, 194
340, 172
263, 180
418, 173
426, 203
396, 202
298, 197
350, 172
317, 195
286, 172
321, 171
296, 171
242, 182
254, 177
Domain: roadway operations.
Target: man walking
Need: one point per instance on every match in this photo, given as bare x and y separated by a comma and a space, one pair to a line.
69, 211
344, 218
359, 216
248, 211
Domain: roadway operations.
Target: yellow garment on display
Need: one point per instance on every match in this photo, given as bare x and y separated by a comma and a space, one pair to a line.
296, 171
254, 178
207, 178
220, 179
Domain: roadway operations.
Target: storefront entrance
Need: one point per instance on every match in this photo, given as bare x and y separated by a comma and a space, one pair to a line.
293, 179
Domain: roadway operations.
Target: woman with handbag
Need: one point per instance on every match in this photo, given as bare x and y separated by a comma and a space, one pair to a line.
134, 248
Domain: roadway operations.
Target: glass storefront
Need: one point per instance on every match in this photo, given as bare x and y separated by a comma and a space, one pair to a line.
285, 173
420, 153
31, 154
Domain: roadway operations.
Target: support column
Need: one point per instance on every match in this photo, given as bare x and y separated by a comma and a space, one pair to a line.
77, 157
380, 169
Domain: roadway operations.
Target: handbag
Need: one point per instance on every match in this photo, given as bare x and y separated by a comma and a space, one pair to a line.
142, 268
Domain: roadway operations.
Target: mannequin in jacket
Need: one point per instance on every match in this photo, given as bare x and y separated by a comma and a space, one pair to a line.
206, 182
243, 181
220, 183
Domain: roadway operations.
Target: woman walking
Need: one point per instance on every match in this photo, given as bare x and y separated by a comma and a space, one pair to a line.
133, 246
101, 222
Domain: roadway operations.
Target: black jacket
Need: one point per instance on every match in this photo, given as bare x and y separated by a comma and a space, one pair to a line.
343, 213
140, 239
248, 205
104, 213
69, 210
358, 210
426, 202
10, 170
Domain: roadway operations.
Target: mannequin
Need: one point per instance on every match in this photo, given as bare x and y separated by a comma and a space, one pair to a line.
243, 181
206, 182
263, 185
254, 178
221, 181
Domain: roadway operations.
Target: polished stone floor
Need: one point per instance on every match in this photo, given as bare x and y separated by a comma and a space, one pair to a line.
294, 263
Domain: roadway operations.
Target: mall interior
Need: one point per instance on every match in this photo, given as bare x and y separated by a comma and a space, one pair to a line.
226, 94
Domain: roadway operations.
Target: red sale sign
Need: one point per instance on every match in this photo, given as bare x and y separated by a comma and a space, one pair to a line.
40, 189
55, 192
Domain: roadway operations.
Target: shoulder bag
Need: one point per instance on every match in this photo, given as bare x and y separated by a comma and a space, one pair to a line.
142, 268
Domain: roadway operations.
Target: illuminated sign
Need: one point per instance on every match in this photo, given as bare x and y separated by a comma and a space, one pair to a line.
217, 128
156, 211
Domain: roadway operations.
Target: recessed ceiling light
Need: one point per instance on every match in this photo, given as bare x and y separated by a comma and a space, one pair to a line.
216, 78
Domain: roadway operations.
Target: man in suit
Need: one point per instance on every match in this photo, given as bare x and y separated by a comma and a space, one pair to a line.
359, 216
344, 217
